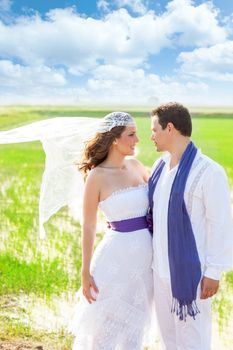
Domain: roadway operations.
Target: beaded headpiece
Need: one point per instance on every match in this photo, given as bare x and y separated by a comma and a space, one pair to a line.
114, 119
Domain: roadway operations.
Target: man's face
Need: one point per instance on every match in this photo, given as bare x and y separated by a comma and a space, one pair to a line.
159, 136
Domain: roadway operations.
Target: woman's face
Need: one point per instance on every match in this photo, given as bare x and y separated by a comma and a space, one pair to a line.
126, 143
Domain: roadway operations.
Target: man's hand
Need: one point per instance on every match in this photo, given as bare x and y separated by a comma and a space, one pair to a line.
209, 287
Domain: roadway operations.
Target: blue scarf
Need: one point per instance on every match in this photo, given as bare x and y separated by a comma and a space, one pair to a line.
184, 263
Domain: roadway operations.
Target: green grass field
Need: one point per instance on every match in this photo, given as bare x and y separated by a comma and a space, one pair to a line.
48, 270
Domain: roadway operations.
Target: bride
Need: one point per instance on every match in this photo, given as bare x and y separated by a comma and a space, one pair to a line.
117, 290
115, 304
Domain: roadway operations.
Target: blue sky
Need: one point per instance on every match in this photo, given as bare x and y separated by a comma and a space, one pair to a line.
126, 52
89, 7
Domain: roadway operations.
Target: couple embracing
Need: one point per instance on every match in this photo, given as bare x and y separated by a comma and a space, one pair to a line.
169, 236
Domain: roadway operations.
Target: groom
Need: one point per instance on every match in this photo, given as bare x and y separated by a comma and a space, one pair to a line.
192, 231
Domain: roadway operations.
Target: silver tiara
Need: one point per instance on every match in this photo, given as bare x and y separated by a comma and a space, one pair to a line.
114, 119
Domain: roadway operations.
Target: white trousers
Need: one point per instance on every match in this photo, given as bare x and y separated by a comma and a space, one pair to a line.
176, 334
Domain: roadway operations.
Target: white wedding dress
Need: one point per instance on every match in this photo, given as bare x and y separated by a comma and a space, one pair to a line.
121, 266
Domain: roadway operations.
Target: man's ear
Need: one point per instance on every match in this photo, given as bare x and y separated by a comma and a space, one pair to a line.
170, 127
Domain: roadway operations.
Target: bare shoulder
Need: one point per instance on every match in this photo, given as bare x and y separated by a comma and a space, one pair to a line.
94, 177
138, 166
135, 163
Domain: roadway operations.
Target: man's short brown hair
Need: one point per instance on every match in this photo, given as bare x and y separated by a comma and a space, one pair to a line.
176, 114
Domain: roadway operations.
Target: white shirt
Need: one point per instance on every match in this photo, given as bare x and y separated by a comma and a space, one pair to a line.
207, 199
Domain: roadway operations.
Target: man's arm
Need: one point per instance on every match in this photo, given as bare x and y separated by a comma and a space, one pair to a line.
219, 230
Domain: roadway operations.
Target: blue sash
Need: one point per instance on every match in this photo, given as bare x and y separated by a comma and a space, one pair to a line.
129, 225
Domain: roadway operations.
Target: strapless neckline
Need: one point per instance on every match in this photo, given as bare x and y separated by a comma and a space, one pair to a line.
123, 190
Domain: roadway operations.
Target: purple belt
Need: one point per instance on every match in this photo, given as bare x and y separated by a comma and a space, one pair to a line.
129, 225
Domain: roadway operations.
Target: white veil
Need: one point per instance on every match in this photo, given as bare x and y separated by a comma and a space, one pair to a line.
63, 142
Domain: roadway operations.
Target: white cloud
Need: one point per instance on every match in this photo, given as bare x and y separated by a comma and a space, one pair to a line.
108, 85
15, 75
81, 44
191, 25
5, 10
137, 6
5, 5
102, 5
215, 62
117, 84
111, 54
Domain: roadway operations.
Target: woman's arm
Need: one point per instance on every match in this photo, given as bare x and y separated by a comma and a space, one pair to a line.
90, 206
